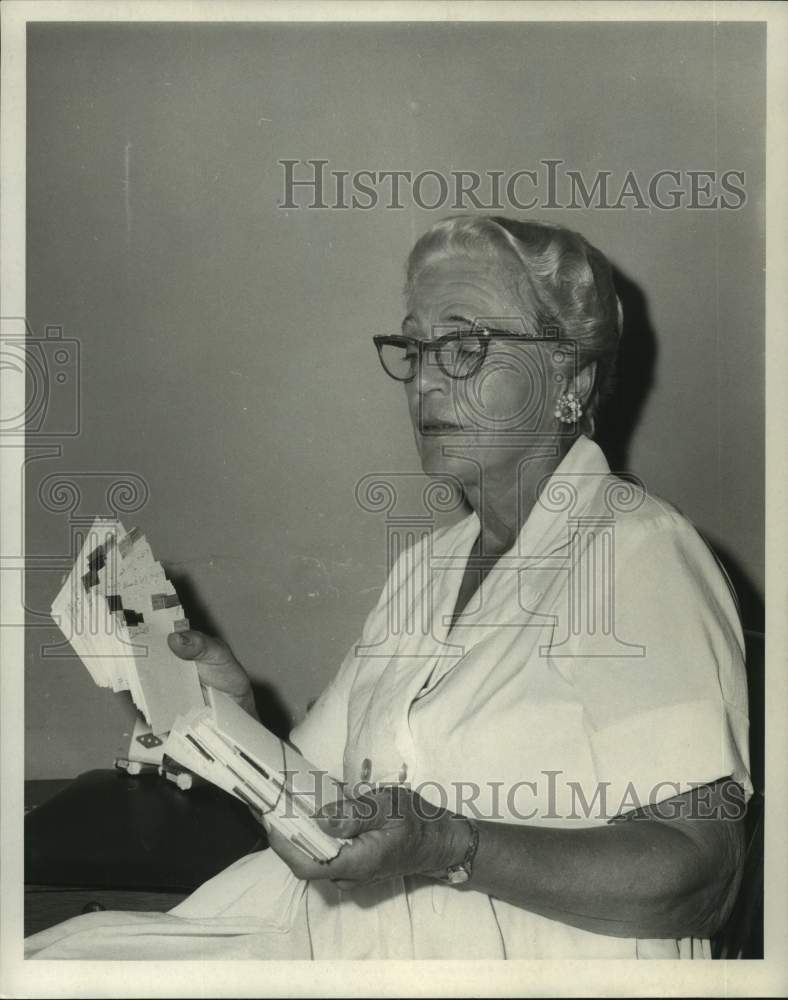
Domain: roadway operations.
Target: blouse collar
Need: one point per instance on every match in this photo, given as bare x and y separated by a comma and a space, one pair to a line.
567, 494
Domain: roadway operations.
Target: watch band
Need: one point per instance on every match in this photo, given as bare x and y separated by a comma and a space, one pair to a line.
457, 874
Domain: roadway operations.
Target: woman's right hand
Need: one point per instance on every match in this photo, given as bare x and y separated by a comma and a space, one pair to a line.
216, 665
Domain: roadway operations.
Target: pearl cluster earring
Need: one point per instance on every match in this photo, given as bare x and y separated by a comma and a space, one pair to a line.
568, 409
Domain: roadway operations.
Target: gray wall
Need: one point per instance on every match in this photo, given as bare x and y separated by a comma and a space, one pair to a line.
225, 344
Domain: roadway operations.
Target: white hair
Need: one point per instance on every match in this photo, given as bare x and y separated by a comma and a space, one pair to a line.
562, 281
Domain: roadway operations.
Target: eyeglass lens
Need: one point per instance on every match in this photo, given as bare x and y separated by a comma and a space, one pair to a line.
458, 358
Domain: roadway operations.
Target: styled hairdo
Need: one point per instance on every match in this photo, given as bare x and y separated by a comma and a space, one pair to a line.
560, 280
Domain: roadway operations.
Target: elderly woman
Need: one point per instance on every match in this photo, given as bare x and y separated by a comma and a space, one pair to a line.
543, 728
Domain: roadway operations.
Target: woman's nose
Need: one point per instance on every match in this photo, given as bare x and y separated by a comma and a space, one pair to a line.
429, 375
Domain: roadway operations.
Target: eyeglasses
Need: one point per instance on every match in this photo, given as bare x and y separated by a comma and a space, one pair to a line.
459, 354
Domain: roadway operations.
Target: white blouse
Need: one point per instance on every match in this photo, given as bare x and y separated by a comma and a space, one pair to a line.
599, 668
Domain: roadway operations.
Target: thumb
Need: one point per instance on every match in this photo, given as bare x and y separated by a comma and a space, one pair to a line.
351, 817
187, 645
194, 645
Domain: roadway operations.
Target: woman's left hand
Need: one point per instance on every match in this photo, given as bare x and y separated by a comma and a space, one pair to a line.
391, 831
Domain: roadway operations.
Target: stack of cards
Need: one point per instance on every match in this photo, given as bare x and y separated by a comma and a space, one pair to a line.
229, 748
117, 608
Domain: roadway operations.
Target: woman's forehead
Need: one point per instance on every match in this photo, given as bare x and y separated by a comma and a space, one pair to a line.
457, 284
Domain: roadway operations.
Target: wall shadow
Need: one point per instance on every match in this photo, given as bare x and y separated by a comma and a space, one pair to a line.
751, 603
620, 413
752, 614
271, 708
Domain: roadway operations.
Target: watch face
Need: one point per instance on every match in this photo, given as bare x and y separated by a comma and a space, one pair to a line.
458, 875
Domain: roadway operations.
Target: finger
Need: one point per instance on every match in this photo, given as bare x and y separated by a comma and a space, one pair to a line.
339, 819
259, 816
352, 817
187, 645
193, 645
297, 860
356, 862
216, 665
343, 827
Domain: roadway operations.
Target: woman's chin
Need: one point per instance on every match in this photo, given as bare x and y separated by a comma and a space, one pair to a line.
435, 463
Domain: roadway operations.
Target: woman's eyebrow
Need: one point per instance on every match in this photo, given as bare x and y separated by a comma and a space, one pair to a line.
410, 321
460, 319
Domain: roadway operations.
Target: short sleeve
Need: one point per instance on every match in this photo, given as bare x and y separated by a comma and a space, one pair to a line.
663, 688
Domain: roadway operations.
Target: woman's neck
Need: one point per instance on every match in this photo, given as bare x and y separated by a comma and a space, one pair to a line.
505, 494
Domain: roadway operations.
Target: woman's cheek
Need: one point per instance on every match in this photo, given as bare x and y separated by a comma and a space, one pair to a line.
505, 403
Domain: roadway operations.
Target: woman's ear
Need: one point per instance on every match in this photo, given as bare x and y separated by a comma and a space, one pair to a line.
582, 384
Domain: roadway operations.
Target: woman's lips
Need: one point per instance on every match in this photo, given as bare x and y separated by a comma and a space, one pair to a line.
439, 427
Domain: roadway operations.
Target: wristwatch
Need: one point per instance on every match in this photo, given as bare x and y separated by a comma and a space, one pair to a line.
457, 874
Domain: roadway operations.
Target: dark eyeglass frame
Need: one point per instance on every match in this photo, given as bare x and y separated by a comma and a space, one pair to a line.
484, 336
